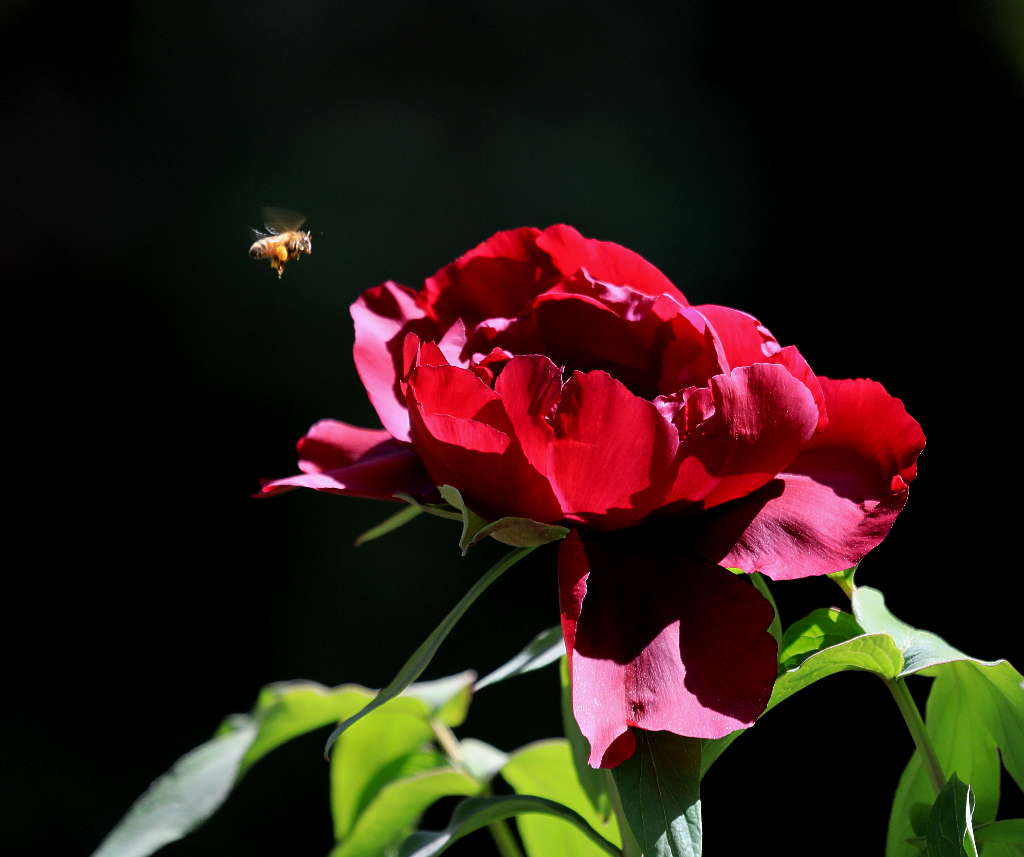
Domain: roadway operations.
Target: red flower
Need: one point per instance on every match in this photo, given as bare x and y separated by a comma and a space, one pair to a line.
563, 379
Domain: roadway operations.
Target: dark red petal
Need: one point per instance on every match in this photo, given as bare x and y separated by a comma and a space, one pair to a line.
659, 641
383, 316
464, 437
603, 260
744, 339
344, 459
495, 279
794, 361
748, 427
836, 501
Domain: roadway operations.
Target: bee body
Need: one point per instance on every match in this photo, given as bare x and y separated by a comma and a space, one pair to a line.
283, 240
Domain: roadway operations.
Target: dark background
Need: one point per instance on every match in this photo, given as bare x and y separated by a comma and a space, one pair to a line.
843, 171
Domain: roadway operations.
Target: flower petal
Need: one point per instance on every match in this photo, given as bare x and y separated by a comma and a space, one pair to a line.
605, 261
343, 459
742, 430
835, 502
464, 437
659, 641
744, 339
383, 316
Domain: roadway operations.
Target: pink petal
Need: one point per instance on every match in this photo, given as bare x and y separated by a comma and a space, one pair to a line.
383, 316
659, 641
835, 502
605, 261
464, 437
344, 459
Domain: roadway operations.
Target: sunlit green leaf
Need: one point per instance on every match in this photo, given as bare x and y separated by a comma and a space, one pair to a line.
448, 697
593, 782
373, 745
397, 807
816, 631
844, 579
546, 648
399, 519
516, 532
420, 659
950, 832
481, 760
545, 769
1001, 838
475, 813
660, 790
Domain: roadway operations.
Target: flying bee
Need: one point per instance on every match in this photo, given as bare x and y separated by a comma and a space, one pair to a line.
282, 240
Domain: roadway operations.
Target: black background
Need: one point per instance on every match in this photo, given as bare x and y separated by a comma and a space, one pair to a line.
843, 171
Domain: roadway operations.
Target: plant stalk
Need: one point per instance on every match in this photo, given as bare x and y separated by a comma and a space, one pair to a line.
918, 731
630, 847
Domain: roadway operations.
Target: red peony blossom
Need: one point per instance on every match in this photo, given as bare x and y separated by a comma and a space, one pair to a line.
554, 377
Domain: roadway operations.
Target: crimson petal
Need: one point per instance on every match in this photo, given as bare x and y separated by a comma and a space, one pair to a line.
659, 641
835, 502
383, 317
344, 459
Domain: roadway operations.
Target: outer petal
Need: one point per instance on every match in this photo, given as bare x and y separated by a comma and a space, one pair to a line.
343, 459
383, 316
607, 453
659, 641
837, 500
465, 439
604, 260
497, 278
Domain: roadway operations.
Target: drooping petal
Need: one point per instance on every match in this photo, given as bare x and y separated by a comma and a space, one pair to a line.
835, 502
464, 437
741, 431
343, 459
383, 316
604, 260
658, 640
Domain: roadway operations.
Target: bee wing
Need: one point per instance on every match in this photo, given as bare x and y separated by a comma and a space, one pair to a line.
257, 234
279, 220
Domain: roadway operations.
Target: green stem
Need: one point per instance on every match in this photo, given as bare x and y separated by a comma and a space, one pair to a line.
918, 731
630, 847
500, 831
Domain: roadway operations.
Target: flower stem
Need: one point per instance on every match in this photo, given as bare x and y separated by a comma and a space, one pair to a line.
918, 731
630, 847
500, 831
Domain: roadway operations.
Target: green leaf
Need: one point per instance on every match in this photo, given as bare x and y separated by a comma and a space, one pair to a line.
920, 649
950, 832
845, 579
546, 769
1001, 838
420, 659
592, 781
480, 759
660, 790
546, 648
186, 795
373, 745
876, 653
448, 697
199, 782
396, 809
475, 813
761, 585
438, 510
516, 532
911, 807
399, 519
816, 631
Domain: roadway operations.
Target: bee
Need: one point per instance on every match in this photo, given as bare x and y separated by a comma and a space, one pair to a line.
282, 240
